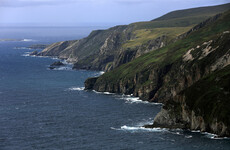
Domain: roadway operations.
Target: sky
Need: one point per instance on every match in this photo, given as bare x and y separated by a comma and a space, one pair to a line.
90, 12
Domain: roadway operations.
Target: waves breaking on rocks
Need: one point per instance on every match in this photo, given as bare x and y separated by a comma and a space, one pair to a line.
76, 88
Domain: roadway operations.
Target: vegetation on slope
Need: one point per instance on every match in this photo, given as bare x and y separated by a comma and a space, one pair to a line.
171, 24
108, 49
205, 11
142, 36
189, 76
210, 97
168, 54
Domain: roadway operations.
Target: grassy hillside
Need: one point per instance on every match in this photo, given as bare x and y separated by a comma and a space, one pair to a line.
108, 49
142, 36
190, 76
205, 11
171, 24
168, 54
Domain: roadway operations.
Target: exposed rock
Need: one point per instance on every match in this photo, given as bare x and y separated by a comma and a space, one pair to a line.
89, 83
188, 55
57, 63
34, 53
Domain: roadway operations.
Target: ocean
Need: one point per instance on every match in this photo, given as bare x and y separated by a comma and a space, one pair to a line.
48, 109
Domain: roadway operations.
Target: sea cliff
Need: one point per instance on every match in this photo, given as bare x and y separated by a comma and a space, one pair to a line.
175, 74
181, 59
108, 49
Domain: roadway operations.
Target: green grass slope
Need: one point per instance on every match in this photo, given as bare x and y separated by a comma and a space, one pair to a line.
171, 24
108, 49
204, 11
168, 54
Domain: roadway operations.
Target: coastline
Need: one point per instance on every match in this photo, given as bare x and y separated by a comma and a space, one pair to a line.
131, 99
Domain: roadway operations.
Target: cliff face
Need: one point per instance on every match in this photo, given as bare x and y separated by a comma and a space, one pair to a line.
168, 74
204, 106
108, 49
102, 49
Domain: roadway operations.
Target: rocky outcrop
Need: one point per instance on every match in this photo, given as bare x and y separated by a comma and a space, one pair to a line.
34, 53
57, 63
90, 83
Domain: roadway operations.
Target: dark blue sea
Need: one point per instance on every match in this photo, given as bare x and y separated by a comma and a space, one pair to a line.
48, 109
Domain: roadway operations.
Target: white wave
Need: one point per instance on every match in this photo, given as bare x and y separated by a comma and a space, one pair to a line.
27, 40
54, 58
139, 127
26, 54
105, 93
213, 136
145, 122
76, 88
134, 100
128, 98
42, 56
101, 72
210, 135
131, 99
129, 128
188, 136
22, 48
62, 68
195, 131
97, 92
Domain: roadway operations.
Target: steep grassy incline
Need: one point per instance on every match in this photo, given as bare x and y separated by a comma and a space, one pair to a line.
167, 55
108, 49
172, 24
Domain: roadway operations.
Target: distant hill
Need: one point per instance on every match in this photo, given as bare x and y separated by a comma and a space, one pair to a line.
200, 11
108, 49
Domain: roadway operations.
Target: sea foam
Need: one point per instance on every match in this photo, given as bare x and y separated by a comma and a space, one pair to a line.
214, 136
139, 129
27, 40
62, 68
26, 54
105, 93
99, 73
76, 88
131, 99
